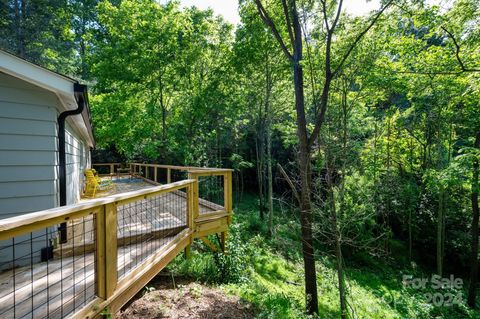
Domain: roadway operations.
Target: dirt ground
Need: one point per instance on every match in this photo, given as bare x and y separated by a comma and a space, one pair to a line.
188, 299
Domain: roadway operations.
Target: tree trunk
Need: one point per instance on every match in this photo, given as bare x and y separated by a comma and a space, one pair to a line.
440, 230
269, 179
410, 235
20, 8
472, 289
164, 111
410, 213
268, 133
306, 217
260, 170
338, 246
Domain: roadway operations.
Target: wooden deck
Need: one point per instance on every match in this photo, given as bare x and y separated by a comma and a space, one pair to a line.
115, 246
51, 299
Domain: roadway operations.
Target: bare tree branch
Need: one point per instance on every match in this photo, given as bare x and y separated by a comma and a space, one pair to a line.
457, 52
360, 36
414, 136
337, 17
287, 20
329, 75
268, 21
325, 18
430, 73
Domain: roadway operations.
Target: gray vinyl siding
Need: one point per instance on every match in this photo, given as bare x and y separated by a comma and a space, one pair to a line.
77, 160
28, 157
28, 146
29, 150
29, 163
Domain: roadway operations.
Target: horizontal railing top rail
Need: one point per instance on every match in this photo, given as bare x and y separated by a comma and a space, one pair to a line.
108, 163
176, 167
185, 168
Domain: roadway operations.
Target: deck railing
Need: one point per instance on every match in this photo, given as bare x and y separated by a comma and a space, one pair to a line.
214, 184
115, 246
107, 168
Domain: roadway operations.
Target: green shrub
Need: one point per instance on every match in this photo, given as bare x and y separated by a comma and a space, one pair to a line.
215, 267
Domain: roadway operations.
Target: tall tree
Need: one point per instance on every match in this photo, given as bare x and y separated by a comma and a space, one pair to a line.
293, 51
39, 31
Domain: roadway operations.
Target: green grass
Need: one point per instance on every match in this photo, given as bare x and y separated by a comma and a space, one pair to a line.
268, 273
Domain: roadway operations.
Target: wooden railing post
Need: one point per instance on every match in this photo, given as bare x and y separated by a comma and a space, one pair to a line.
227, 192
192, 208
169, 176
111, 249
100, 253
146, 171
195, 203
155, 173
191, 204
112, 170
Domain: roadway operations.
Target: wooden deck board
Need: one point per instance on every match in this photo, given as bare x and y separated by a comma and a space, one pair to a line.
48, 284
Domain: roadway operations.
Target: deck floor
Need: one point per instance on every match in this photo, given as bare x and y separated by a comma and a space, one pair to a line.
69, 281
66, 283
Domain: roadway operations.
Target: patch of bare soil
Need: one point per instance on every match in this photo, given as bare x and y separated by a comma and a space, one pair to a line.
187, 300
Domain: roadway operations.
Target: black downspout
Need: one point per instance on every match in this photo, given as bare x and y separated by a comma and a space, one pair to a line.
62, 169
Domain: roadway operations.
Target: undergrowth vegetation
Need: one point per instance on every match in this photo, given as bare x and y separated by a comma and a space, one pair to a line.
267, 271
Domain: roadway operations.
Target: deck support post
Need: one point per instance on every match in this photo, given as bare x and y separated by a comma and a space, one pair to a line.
223, 241
209, 244
187, 252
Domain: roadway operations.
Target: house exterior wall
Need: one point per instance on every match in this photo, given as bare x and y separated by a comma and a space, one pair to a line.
29, 161
77, 160
28, 147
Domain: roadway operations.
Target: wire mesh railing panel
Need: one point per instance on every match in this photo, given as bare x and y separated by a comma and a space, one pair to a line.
40, 278
106, 168
162, 174
211, 193
149, 173
147, 225
178, 175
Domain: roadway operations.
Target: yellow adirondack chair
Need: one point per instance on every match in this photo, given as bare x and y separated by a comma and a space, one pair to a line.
94, 184
95, 174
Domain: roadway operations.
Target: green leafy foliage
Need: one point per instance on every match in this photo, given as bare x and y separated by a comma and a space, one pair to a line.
182, 86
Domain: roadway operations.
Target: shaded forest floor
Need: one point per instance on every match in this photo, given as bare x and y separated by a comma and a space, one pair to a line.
262, 277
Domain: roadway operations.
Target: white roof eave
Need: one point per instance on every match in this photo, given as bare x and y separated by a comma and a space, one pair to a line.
61, 85
29, 72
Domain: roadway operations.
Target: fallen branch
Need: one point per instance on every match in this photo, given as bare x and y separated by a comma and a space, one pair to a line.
289, 181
